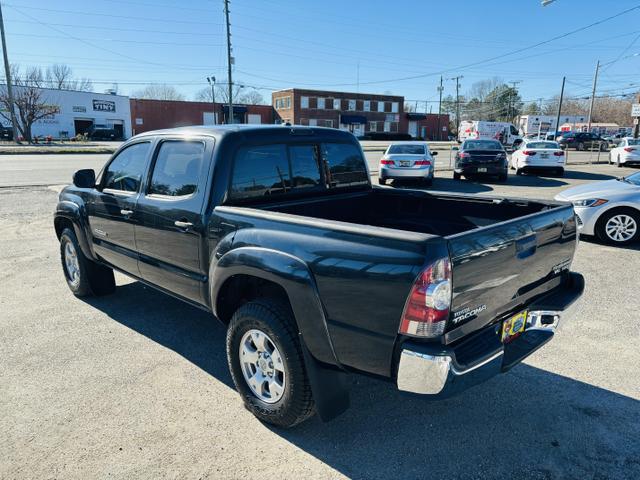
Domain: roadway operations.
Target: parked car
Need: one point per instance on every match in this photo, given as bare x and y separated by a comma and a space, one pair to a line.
407, 160
314, 272
102, 132
6, 133
609, 209
481, 157
583, 141
614, 140
538, 155
626, 153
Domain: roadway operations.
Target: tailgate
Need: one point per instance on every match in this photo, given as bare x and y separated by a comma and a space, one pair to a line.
499, 269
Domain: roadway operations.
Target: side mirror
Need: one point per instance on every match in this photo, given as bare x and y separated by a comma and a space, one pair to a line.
455, 148
433, 154
85, 178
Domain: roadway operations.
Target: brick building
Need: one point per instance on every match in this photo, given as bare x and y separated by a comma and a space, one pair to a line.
157, 114
360, 113
427, 126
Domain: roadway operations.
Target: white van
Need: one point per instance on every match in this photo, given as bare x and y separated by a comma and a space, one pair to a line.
504, 132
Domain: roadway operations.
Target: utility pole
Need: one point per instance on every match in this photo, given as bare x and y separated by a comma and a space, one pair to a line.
229, 61
7, 72
511, 112
593, 94
457, 79
540, 106
440, 90
560, 106
212, 83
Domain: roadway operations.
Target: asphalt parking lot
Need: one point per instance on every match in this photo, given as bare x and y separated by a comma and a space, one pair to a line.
135, 385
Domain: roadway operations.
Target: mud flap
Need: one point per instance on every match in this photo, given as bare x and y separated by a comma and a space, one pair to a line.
329, 386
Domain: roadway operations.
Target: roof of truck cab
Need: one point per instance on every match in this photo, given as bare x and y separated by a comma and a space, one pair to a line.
223, 130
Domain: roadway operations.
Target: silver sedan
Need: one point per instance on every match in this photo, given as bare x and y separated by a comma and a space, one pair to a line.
407, 160
609, 209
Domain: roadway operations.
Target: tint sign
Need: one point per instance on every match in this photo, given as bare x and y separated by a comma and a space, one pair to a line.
104, 106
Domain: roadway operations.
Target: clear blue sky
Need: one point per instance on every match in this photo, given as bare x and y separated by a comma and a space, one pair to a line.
331, 44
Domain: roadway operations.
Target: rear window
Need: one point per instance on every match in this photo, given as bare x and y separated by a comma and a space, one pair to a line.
542, 145
633, 141
344, 165
481, 145
407, 149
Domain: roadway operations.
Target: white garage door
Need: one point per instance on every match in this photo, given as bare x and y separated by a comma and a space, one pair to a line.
254, 118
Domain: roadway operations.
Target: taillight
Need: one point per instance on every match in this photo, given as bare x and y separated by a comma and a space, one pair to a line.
559, 154
529, 153
629, 149
427, 308
422, 162
464, 155
386, 162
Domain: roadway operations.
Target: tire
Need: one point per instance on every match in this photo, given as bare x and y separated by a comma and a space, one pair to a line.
618, 164
518, 172
603, 147
580, 147
382, 181
456, 176
503, 177
84, 277
610, 160
628, 217
294, 403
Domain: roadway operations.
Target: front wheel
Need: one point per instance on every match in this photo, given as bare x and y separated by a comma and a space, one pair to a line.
266, 363
619, 226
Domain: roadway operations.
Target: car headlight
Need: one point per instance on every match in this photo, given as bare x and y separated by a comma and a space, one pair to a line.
590, 202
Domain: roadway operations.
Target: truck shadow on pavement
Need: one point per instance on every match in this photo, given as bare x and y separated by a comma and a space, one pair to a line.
528, 423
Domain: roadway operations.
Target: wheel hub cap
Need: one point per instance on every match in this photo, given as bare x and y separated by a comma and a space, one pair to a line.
621, 228
262, 366
72, 264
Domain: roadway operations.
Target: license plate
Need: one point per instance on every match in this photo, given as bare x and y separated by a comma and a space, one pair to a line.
482, 170
405, 164
512, 327
545, 155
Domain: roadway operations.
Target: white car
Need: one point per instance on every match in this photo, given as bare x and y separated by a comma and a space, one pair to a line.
538, 155
407, 160
609, 209
627, 152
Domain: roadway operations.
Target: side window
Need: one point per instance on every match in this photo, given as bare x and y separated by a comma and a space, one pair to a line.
125, 172
344, 164
177, 168
260, 170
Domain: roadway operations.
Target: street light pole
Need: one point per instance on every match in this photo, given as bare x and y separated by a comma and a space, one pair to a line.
593, 94
229, 61
440, 89
212, 83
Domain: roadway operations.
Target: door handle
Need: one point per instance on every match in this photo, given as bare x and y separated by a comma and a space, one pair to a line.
126, 212
181, 224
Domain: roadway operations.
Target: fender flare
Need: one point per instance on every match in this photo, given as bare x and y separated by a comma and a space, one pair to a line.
329, 382
76, 214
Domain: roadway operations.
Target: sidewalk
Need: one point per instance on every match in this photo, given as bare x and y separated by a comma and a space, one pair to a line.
9, 148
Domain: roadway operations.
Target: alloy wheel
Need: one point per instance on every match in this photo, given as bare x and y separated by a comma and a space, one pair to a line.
72, 264
621, 228
262, 366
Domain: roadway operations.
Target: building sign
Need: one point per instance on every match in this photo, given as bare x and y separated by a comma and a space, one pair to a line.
104, 106
635, 110
79, 109
139, 121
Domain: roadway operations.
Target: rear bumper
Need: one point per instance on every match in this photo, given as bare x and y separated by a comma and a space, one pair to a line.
440, 371
398, 172
472, 169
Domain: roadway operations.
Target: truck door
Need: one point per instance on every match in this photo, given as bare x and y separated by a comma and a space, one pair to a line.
112, 207
171, 231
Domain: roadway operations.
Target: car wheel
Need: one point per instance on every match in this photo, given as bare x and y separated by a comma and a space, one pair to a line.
618, 164
382, 181
83, 276
580, 146
603, 147
456, 176
518, 171
266, 363
610, 159
619, 226
503, 177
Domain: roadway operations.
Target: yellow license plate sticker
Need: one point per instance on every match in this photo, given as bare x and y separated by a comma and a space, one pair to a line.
514, 326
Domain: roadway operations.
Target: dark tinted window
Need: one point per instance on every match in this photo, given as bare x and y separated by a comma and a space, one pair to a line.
126, 170
406, 149
481, 145
177, 168
304, 165
344, 164
261, 170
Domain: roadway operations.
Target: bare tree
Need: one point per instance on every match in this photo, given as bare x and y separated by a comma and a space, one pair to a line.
60, 76
159, 92
28, 101
410, 107
481, 90
570, 106
252, 97
241, 94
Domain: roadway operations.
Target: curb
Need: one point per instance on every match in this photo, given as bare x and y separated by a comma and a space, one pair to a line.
59, 152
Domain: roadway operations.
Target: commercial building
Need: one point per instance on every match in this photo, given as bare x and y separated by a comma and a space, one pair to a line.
599, 128
78, 111
533, 124
149, 115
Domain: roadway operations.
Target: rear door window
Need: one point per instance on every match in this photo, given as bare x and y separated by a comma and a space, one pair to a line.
344, 165
177, 168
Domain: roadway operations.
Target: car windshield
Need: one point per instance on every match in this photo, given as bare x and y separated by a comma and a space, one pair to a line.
542, 145
481, 145
407, 149
633, 178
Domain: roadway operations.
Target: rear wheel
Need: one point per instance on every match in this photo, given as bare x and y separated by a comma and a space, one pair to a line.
84, 277
603, 147
266, 363
619, 226
618, 163
518, 171
456, 176
580, 146
382, 181
503, 177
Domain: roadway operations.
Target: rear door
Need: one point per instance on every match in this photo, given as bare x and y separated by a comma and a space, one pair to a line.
171, 230
498, 269
112, 207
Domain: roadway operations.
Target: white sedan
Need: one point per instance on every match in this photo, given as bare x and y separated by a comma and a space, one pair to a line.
609, 209
627, 152
538, 155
